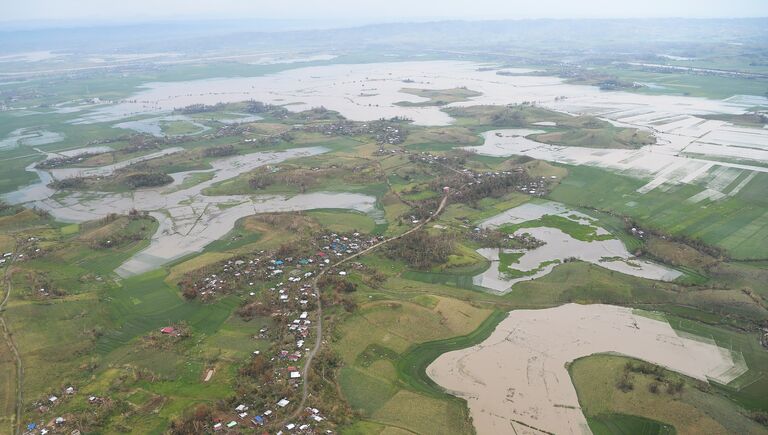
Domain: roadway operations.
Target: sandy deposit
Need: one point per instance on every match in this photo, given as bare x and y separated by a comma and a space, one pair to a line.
189, 220
610, 254
517, 378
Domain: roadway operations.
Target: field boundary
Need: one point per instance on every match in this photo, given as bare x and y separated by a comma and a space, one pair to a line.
412, 366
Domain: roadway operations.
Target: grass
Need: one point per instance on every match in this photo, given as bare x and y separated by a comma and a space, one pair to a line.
707, 86
178, 128
609, 410
512, 273
343, 220
146, 302
371, 343
437, 97
606, 136
577, 230
623, 424
738, 224
365, 393
749, 389
412, 366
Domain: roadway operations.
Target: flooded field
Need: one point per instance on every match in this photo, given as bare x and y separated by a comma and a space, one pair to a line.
369, 91
559, 246
188, 219
154, 126
687, 146
29, 137
517, 380
663, 165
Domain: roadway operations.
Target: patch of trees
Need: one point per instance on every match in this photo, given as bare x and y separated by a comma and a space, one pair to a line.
341, 290
7, 209
152, 179
200, 108
337, 284
625, 382
493, 186
303, 178
391, 131
144, 142
120, 239
247, 311
493, 238
699, 245
259, 107
63, 161
69, 183
196, 421
616, 84
422, 250
760, 417
256, 367
275, 139
219, 151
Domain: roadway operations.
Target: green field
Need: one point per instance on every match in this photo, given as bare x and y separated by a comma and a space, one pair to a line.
622, 424
609, 410
100, 332
575, 229
739, 224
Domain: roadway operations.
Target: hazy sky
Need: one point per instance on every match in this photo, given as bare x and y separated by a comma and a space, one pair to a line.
372, 10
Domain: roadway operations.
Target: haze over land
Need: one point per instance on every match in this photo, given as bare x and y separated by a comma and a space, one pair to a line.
432, 217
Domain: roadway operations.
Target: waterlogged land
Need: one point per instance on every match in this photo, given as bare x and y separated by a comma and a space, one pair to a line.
518, 377
566, 235
188, 220
511, 180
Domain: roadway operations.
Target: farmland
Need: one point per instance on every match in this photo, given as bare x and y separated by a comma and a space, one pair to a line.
234, 246
737, 224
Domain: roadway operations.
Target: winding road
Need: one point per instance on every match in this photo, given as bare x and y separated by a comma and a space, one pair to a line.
319, 323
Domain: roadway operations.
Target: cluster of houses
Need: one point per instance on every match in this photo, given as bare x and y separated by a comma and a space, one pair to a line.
291, 299
536, 186
385, 132
59, 423
247, 272
246, 420
27, 250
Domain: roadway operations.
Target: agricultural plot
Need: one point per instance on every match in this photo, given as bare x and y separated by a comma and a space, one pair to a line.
650, 406
737, 223
248, 183
373, 342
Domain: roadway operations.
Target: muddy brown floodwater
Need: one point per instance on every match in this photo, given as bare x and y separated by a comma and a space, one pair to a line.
189, 220
517, 379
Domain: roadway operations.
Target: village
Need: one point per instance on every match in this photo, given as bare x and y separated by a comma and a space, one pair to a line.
278, 284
